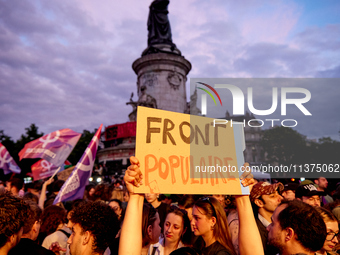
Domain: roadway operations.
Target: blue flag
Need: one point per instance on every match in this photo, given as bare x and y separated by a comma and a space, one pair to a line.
74, 186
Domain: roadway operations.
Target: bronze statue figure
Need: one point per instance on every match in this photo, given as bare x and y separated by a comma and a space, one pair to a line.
158, 23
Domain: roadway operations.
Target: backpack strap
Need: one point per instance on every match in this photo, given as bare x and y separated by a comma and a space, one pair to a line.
154, 250
66, 234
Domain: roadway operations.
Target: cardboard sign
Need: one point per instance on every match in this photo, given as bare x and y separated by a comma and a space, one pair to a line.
186, 154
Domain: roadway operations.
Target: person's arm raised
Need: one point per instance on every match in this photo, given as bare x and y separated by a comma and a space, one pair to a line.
132, 226
249, 236
42, 197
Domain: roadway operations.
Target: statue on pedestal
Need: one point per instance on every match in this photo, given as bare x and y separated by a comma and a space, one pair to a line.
159, 36
158, 23
146, 100
143, 100
192, 105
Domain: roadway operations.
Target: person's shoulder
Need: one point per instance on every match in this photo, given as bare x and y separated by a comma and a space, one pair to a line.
216, 249
223, 252
28, 247
39, 250
260, 225
164, 205
220, 249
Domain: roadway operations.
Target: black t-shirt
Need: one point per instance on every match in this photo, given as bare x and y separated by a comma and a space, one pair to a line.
28, 247
215, 249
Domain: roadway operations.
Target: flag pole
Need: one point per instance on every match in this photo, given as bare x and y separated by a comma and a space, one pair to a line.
56, 171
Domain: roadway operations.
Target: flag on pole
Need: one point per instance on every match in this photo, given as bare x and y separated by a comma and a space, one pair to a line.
74, 186
43, 169
7, 163
54, 147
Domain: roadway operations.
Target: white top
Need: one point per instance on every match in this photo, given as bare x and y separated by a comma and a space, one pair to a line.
160, 247
263, 220
59, 237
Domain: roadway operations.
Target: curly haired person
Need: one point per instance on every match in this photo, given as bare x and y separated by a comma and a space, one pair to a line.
94, 228
12, 211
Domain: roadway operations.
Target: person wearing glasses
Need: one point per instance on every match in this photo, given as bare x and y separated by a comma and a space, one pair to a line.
176, 232
332, 226
249, 240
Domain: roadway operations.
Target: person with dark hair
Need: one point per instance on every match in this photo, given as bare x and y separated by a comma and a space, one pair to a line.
53, 218
162, 208
334, 207
12, 219
309, 194
56, 186
89, 191
31, 197
176, 232
220, 199
322, 184
118, 184
31, 229
211, 225
151, 229
296, 228
14, 185
332, 226
117, 206
34, 188
117, 194
71, 206
126, 195
2, 187
101, 193
61, 233
95, 226
288, 192
265, 198
187, 202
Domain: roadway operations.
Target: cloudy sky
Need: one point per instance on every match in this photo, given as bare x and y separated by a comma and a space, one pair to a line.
67, 64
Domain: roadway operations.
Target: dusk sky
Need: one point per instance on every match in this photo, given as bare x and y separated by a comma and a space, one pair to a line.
67, 64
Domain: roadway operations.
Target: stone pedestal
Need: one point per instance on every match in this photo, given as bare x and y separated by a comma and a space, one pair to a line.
164, 76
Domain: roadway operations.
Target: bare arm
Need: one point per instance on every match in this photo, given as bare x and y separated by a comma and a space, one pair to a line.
42, 197
132, 226
249, 235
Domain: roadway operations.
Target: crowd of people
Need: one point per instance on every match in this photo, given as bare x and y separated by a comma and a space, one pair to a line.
295, 218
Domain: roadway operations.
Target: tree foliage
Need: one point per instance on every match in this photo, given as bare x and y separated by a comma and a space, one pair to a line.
81, 146
283, 145
30, 135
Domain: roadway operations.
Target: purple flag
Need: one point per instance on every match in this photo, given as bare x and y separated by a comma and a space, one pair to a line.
43, 169
7, 163
74, 186
54, 147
